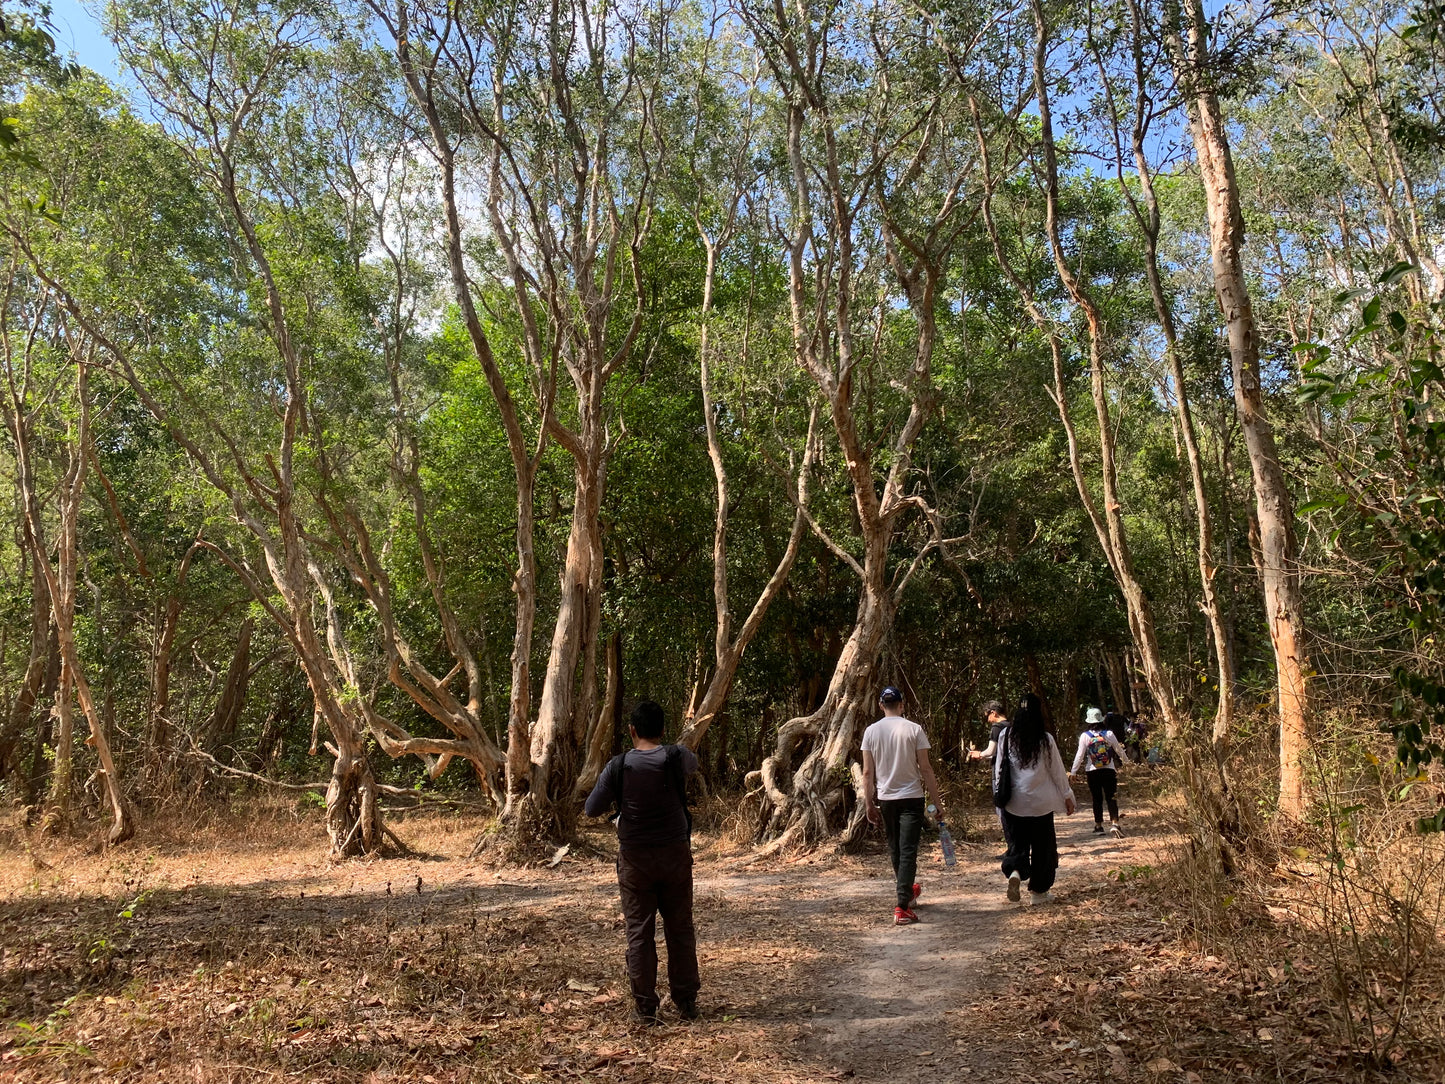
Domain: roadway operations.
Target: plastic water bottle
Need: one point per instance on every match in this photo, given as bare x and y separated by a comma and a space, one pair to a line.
945, 840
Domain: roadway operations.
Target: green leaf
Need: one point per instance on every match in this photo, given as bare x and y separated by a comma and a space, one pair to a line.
1394, 274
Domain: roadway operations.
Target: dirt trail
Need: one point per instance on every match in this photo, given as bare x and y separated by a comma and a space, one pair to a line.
184, 962
898, 1010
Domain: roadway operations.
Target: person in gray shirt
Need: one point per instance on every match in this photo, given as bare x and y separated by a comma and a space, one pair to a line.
648, 786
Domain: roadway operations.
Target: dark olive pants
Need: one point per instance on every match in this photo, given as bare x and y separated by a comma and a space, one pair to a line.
903, 824
1033, 850
658, 881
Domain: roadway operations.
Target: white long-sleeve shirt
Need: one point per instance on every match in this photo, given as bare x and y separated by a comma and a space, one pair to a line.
1039, 788
1086, 737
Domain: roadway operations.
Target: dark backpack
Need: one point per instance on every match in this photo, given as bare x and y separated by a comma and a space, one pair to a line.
672, 767
1003, 784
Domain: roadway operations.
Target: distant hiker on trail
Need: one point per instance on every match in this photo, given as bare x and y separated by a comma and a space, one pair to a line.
648, 785
994, 717
1119, 727
1136, 738
895, 763
1037, 787
1100, 753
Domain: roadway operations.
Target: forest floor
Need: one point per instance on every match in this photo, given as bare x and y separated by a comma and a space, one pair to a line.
235, 951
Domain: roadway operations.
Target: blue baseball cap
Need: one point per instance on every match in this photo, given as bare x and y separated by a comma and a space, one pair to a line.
890, 695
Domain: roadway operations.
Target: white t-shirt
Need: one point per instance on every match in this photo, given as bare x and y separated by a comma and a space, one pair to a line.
894, 742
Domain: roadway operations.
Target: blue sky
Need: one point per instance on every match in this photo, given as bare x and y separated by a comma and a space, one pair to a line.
77, 33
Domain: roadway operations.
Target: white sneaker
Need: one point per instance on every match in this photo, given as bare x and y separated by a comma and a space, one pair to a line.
1038, 898
1114, 830
1014, 880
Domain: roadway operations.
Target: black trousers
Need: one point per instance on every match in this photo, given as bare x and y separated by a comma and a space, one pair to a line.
1033, 850
1103, 785
903, 825
653, 881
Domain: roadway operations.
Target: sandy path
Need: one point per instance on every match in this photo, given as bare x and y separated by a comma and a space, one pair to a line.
899, 1010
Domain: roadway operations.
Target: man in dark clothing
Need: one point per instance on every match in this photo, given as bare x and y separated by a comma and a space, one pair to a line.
648, 785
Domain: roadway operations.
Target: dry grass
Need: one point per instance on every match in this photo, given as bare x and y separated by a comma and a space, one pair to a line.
235, 952
1327, 966
225, 947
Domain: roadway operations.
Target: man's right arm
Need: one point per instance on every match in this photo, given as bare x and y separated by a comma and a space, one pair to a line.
600, 800
870, 805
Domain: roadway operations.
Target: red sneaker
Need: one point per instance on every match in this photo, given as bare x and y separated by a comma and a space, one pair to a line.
903, 916
917, 891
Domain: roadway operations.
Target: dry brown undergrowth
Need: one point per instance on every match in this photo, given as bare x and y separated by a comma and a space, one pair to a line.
234, 951
1299, 972
242, 955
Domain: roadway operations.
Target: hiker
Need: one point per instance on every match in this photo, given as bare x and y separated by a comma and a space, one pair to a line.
1136, 738
1117, 725
1038, 787
995, 718
895, 763
648, 786
1100, 753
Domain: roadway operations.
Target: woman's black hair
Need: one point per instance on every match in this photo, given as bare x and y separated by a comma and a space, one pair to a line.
1027, 731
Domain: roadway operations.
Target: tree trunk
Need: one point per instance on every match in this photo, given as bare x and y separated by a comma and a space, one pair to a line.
22, 711
60, 582
62, 772
605, 726
826, 282
1148, 217
804, 802
1274, 508
157, 755
45, 722
1108, 522
552, 738
222, 724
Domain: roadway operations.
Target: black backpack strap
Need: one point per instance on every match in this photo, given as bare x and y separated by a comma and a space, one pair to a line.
620, 760
679, 780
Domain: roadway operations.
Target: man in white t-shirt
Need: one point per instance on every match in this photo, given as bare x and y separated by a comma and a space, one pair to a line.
895, 765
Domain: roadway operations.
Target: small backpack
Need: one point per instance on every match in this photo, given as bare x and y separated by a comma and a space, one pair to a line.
672, 767
1098, 751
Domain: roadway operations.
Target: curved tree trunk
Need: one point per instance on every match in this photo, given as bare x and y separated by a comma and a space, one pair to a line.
839, 276
1274, 508
1109, 521
1146, 212
804, 803
60, 581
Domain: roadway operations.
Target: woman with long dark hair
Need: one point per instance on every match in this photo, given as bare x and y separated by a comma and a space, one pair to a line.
1040, 788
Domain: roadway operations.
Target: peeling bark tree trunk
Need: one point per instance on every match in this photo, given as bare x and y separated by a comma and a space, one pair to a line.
1274, 508
60, 582
570, 238
805, 782
22, 710
1109, 521
222, 724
